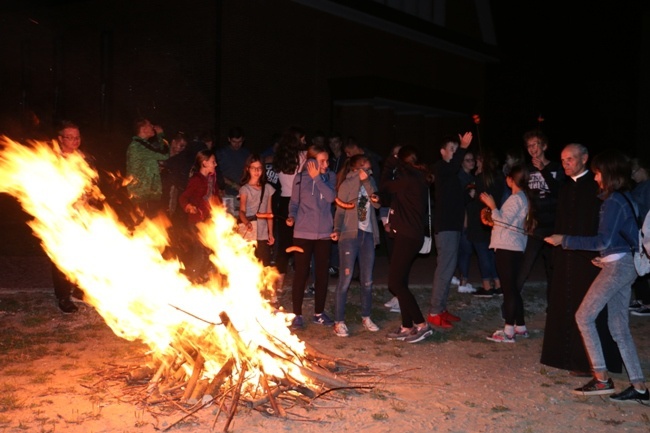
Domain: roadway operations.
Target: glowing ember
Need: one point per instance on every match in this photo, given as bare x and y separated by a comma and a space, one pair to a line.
141, 295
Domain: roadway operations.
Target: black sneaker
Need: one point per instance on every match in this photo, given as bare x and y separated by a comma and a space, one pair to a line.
482, 293
596, 387
419, 334
631, 395
333, 271
310, 292
643, 312
67, 306
401, 333
636, 305
322, 319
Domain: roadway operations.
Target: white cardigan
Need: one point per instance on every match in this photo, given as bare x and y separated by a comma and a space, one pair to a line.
508, 230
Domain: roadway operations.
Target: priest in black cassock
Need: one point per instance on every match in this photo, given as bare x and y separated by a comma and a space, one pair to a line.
577, 214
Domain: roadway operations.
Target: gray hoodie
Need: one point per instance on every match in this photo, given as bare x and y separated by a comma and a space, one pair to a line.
311, 205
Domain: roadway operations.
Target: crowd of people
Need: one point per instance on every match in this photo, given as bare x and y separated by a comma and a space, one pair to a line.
323, 204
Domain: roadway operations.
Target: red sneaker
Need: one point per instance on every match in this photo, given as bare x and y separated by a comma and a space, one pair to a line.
438, 320
449, 317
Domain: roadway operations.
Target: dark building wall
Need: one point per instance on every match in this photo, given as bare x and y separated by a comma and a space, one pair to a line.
279, 59
102, 64
203, 64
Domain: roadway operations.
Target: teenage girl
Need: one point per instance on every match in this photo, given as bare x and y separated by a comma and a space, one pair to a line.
509, 236
357, 233
200, 195
253, 204
616, 239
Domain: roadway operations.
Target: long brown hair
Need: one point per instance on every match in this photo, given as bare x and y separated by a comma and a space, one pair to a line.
286, 158
246, 174
520, 176
352, 163
615, 171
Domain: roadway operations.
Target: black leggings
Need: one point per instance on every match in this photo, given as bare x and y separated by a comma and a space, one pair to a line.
508, 264
405, 250
285, 235
321, 251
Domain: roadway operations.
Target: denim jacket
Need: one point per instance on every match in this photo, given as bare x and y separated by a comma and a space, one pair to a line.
617, 228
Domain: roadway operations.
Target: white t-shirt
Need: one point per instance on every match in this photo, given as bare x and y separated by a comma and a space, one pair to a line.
253, 204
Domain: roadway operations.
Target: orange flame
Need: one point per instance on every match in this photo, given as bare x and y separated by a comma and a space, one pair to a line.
140, 295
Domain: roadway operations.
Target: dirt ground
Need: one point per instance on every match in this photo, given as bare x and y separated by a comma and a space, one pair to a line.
66, 373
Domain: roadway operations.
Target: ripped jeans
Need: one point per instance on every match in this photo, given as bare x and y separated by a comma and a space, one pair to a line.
612, 287
362, 248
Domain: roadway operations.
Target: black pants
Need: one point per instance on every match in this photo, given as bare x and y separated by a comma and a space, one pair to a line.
285, 235
508, 264
320, 249
62, 286
405, 250
534, 248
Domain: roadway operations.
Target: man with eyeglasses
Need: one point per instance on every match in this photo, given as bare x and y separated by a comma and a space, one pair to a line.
545, 179
66, 144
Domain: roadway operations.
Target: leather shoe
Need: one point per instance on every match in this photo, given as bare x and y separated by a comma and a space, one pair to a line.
67, 306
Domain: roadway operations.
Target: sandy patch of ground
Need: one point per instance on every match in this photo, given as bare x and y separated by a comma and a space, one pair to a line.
67, 373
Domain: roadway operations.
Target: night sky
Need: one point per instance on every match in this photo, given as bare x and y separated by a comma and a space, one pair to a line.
579, 68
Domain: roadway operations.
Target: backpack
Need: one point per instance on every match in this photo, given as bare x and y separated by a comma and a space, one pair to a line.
641, 259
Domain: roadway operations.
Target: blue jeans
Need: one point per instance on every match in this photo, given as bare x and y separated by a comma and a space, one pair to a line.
486, 261
612, 288
447, 248
362, 248
464, 255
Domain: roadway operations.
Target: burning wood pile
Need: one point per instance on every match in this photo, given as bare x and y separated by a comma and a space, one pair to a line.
178, 381
216, 342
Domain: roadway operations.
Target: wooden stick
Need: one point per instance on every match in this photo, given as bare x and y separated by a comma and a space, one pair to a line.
196, 373
274, 404
199, 391
236, 396
323, 376
139, 374
220, 377
164, 365
168, 388
189, 414
276, 392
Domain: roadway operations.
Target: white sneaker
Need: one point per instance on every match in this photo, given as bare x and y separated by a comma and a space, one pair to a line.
341, 330
392, 303
369, 324
467, 288
455, 281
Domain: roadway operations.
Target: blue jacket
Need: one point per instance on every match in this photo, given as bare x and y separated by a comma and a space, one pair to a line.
617, 228
311, 205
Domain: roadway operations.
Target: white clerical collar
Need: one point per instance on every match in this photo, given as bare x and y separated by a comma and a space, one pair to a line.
580, 175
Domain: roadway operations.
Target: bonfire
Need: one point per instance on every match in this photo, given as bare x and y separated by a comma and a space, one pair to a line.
220, 341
